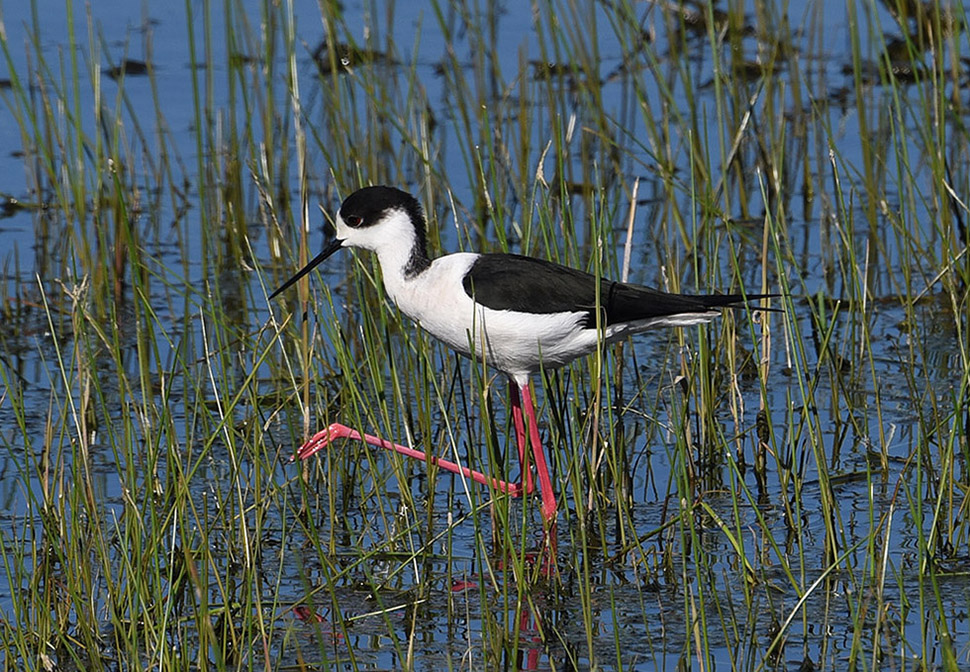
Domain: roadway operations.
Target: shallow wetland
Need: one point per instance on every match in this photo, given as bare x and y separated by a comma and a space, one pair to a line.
785, 490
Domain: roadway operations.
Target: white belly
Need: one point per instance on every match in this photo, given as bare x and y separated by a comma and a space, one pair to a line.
517, 343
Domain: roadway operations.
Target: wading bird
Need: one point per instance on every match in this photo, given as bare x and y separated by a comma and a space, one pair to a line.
518, 314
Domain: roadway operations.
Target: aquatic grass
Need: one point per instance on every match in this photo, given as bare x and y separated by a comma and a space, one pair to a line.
136, 589
161, 440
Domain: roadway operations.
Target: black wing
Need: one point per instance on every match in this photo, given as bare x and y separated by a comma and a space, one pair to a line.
528, 285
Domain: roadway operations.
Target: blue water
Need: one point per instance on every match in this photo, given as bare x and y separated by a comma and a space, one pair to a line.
635, 626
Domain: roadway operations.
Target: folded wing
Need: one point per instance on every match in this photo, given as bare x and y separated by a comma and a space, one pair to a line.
528, 285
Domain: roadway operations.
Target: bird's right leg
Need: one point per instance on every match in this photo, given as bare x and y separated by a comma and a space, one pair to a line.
520, 436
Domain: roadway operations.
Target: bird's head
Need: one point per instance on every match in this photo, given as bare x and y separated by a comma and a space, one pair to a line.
383, 219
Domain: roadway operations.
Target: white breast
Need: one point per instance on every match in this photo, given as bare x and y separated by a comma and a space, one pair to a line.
511, 341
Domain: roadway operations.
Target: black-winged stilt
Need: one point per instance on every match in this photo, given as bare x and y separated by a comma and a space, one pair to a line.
516, 313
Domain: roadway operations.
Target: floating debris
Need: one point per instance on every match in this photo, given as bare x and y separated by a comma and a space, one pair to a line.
238, 58
10, 206
904, 72
342, 57
543, 70
694, 20
924, 22
128, 68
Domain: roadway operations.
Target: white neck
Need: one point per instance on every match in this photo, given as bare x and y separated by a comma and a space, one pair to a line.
396, 243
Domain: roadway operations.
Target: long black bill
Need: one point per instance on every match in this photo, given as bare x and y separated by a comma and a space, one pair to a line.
331, 247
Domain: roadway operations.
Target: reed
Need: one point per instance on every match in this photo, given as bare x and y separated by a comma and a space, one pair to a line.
764, 490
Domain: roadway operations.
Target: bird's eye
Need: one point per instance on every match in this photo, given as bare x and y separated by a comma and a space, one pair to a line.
354, 221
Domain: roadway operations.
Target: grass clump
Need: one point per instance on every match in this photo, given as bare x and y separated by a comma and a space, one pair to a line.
769, 489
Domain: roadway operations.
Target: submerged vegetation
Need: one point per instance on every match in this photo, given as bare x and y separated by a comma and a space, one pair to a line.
772, 490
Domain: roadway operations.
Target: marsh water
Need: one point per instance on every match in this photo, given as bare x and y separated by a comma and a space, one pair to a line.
826, 525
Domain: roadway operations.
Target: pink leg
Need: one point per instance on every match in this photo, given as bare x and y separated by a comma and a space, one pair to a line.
516, 400
539, 455
322, 439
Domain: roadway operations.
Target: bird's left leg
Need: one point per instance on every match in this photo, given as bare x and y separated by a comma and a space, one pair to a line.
324, 438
